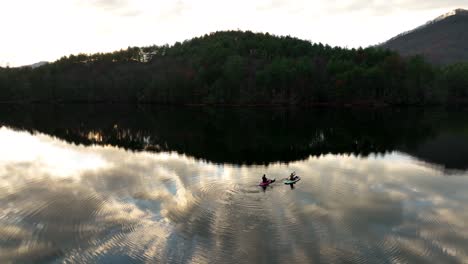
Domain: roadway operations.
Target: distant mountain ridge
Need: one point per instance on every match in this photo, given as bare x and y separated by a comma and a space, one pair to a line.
35, 65
439, 18
443, 40
38, 64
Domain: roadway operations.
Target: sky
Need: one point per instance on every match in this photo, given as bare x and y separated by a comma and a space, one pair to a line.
46, 30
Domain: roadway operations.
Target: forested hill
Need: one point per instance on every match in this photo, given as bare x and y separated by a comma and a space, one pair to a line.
237, 67
443, 40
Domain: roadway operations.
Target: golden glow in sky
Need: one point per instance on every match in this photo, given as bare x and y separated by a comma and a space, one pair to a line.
46, 30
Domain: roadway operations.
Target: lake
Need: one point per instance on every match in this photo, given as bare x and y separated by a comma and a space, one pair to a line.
145, 184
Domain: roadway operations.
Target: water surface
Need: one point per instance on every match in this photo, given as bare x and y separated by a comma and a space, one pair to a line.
125, 185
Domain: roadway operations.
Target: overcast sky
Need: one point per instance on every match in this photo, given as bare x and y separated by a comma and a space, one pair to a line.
35, 30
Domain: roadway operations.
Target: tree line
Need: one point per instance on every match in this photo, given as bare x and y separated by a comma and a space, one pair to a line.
244, 135
236, 67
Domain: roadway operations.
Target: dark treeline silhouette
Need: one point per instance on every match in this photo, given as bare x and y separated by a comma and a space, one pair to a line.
237, 67
253, 136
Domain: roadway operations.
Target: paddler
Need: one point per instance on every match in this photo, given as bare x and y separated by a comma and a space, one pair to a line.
293, 176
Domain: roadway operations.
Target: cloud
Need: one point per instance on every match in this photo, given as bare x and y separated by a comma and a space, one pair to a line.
162, 9
117, 7
106, 25
165, 206
109, 4
382, 7
391, 6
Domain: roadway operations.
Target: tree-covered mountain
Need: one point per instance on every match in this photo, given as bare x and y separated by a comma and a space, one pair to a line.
243, 68
441, 41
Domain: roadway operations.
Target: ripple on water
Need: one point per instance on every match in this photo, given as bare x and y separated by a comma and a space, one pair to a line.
59, 220
333, 221
390, 248
224, 212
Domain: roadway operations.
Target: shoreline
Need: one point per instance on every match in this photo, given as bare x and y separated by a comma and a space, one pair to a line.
357, 104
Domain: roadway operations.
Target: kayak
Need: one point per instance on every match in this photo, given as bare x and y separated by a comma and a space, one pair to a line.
288, 181
265, 184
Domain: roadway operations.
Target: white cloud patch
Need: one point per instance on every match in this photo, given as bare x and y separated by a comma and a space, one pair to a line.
109, 4
169, 206
118, 7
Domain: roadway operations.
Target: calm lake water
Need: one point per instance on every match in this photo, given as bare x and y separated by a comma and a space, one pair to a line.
121, 184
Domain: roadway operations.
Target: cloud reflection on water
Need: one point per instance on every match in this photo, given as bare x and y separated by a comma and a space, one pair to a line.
86, 204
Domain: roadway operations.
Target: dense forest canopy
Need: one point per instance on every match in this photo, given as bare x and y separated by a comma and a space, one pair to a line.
235, 67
